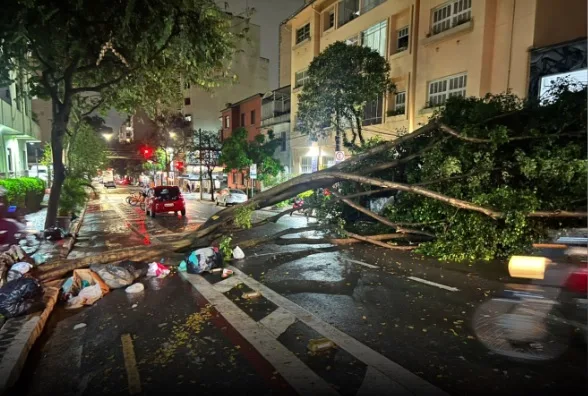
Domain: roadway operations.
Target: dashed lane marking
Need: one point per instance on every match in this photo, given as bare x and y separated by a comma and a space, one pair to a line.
439, 285
131, 365
293, 370
411, 382
362, 263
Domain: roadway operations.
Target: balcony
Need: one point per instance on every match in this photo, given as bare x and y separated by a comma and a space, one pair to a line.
276, 119
16, 122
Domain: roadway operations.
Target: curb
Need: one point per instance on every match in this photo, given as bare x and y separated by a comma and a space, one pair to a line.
18, 336
69, 243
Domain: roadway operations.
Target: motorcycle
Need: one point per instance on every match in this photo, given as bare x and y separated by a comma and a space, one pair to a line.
536, 321
297, 205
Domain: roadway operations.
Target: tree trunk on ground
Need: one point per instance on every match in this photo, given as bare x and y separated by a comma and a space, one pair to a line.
381, 244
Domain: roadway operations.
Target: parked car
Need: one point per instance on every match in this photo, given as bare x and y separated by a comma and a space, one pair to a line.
164, 199
230, 196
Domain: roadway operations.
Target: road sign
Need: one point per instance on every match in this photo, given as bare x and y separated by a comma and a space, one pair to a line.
339, 156
253, 171
314, 164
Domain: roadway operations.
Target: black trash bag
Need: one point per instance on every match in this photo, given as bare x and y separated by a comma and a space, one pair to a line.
20, 296
136, 268
54, 233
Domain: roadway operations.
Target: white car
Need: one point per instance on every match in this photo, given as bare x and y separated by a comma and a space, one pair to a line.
229, 196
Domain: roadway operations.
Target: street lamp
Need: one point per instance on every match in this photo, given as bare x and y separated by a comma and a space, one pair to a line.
107, 136
172, 135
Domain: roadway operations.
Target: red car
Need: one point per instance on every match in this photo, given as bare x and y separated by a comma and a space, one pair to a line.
165, 199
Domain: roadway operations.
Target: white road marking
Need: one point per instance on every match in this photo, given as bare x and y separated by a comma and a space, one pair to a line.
362, 263
390, 369
278, 321
439, 285
293, 370
227, 284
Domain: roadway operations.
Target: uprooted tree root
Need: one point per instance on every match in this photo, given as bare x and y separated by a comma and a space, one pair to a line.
356, 170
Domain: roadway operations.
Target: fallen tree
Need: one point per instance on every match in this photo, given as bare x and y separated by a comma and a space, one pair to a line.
485, 178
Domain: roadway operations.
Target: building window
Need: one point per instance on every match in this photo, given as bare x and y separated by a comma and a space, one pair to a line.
372, 113
402, 39
283, 141
252, 117
400, 102
227, 122
303, 33
329, 20
9, 158
442, 89
375, 37
367, 5
187, 101
300, 78
348, 11
188, 117
306, 165
451, 14
242, 119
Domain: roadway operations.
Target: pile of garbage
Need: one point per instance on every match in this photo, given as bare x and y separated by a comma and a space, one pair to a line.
86, 286
208, 259
20, 293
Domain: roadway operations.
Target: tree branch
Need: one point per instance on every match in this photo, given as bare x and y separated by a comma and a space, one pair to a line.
378, 243
379, 218
455, 133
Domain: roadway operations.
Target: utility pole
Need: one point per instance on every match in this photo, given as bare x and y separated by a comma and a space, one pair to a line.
200, 161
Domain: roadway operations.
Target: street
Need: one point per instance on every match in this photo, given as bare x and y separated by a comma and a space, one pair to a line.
401, 323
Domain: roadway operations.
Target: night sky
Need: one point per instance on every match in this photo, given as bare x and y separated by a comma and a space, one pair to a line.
268, 14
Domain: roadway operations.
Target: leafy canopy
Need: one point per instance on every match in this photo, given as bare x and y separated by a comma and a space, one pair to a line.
545, 170
239, 153
132, 52
341, 80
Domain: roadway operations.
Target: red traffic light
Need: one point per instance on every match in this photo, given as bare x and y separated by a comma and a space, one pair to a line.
147, 152
179, 165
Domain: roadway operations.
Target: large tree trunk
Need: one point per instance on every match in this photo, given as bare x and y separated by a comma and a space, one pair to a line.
58, 129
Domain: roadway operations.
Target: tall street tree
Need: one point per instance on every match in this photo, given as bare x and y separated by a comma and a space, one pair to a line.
207, 154
341, 81
238, 153
129, 53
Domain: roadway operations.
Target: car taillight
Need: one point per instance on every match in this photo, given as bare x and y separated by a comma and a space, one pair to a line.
578, 281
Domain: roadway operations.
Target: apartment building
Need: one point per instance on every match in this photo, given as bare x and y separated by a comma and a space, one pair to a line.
246, 113
252, 71
275, 116
437, 49
17, 129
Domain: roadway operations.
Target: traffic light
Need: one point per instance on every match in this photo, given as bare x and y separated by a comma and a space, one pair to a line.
179, 166
147, 152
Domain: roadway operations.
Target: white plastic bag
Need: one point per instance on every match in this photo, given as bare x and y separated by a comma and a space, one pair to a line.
91, 294
21, 267
135, 288
157, 270
238, 253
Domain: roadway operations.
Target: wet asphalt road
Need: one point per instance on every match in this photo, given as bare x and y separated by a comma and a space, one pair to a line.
423, 328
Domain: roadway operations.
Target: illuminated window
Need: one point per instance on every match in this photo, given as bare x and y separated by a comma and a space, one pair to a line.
375, 37
400, 102
451, 14
440, 90
300, 78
